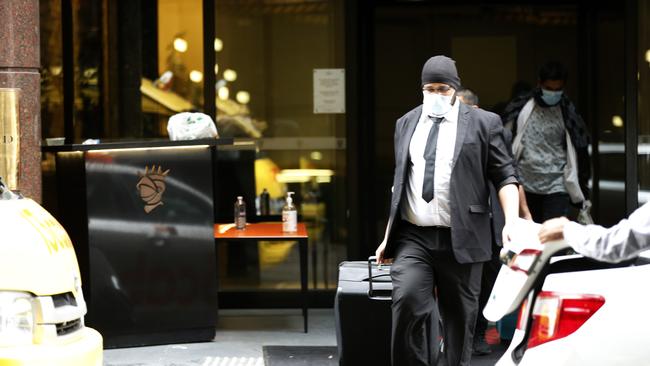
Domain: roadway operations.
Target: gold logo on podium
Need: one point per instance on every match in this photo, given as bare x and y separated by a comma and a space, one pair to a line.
151, 187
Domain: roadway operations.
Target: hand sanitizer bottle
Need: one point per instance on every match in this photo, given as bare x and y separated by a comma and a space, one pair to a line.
265, 203
289, 216
240, 213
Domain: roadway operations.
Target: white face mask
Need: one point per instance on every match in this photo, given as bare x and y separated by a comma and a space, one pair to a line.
436, 104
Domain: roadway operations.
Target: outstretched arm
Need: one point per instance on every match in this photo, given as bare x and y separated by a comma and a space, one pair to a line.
622, 241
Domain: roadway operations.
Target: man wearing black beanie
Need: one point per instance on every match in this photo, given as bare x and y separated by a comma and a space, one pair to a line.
438, 231
441, 69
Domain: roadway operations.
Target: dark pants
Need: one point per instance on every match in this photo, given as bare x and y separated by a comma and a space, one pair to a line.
490, 272
548, 206
423, 262
492, 267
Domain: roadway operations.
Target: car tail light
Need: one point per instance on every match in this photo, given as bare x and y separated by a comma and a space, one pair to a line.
523, 261
557, 315
523, 315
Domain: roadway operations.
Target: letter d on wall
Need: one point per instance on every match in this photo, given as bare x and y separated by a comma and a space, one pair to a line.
9, 139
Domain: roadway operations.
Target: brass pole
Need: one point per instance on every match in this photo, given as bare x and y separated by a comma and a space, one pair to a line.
9, 138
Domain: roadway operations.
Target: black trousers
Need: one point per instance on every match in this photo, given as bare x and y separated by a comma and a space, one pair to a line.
424, 263
490, 272
547, 206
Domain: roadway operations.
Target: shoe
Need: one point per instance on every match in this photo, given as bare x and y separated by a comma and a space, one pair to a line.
480, 346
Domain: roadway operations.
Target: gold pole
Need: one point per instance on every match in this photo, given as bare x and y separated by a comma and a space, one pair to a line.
9, 138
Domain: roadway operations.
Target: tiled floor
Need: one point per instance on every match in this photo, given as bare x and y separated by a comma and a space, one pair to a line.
239, 340
240, 337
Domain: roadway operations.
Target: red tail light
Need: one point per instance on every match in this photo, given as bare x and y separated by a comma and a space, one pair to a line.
522, 318
557, 315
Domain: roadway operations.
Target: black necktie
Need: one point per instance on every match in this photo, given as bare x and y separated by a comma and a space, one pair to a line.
430, 159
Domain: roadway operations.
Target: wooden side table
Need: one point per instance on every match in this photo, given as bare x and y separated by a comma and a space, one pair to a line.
271, 231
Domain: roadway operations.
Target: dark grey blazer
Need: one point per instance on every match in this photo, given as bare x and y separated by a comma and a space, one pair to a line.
480, 154
498, 219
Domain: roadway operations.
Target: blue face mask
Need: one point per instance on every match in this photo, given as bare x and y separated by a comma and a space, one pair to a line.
551, 97
436, 104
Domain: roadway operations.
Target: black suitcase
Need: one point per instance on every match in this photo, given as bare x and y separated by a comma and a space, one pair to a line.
363, 314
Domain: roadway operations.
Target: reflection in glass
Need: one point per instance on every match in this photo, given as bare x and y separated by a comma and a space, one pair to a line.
88, 67
180, 53
180, 45
52, 69
218, 45
137, 63
609, 117
243, 97
643, 101
266, 54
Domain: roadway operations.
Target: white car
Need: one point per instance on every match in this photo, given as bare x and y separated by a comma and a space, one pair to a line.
573, 310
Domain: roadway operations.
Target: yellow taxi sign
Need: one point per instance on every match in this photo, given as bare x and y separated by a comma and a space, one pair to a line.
35, 240
53, 235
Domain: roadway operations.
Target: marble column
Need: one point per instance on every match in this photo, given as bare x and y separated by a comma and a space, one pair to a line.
19, 69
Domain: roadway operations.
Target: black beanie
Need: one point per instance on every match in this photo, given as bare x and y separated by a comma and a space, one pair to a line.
440, 69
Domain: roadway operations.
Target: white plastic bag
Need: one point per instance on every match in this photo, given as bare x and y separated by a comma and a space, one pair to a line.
191, 126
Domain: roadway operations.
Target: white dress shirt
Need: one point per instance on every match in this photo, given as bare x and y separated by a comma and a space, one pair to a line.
415, 209
622, 241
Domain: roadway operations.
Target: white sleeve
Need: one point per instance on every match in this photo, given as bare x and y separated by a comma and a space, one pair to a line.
622, 241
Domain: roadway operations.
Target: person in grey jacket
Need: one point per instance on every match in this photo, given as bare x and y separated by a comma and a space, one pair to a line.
622, 241
550, 146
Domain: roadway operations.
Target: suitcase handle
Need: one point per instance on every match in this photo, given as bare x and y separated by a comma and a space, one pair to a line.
371, 293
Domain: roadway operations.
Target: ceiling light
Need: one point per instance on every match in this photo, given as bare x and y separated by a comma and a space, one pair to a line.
316, 155
180, 45
56, 70
218, 45
617, 121
304, 175
196, 76
243, 97
229, 75
223, 93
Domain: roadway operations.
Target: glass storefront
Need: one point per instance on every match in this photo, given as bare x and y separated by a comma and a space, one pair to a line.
118, 70
135, 64
176, 85
51, 69
608, 112
267, 54
643, 100
497, 48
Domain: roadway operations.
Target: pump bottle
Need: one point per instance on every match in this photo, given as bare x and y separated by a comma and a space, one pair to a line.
265, 203
289, 216
240, 213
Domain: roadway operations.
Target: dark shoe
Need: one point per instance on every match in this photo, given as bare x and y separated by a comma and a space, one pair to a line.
480, 346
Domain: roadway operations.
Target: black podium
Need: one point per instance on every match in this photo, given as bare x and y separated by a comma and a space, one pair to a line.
141, 217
